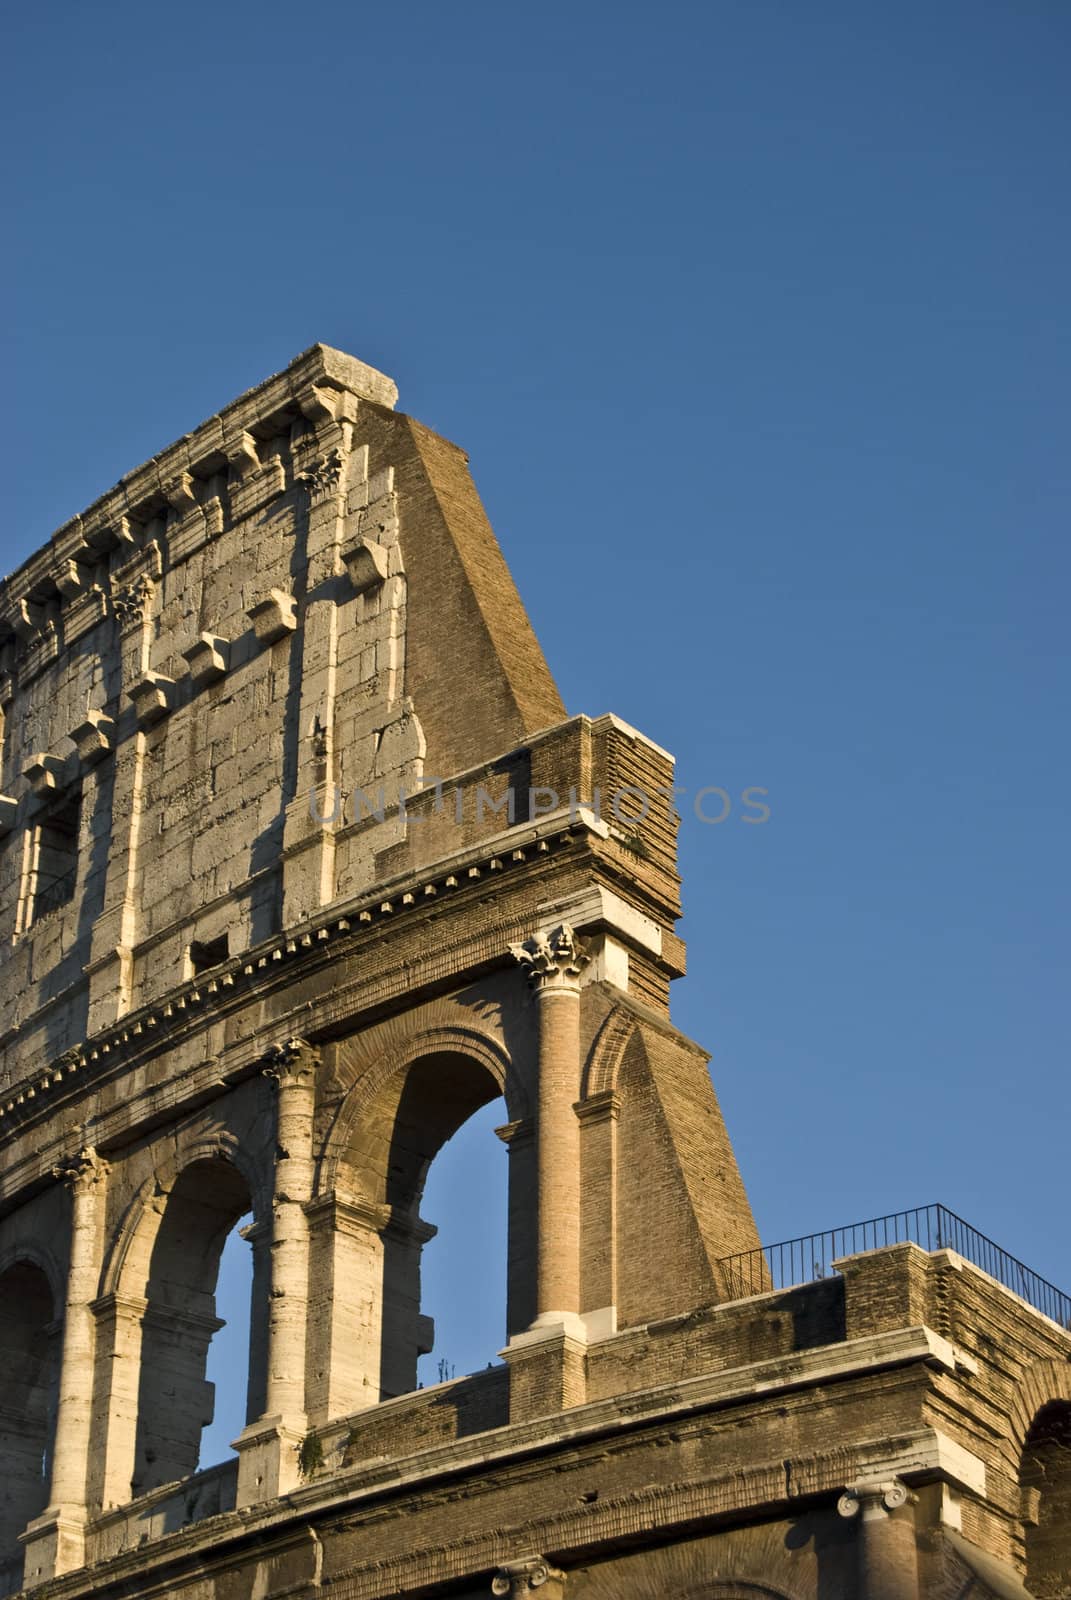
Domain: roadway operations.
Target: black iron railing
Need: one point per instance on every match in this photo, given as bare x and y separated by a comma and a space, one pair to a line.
804, 1260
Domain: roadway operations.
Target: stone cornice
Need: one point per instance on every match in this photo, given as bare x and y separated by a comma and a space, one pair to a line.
479, 1465
314, 387
340, 928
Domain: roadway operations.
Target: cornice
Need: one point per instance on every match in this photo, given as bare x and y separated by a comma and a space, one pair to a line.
342, 928
320, 386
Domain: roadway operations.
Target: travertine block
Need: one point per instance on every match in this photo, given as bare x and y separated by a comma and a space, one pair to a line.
43, 774
152, 697
207, 659
94, 738
273, 617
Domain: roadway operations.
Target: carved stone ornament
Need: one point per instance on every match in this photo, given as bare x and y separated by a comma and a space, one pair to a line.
557, 957
83, 1170
520, 1577
131, 604
290, 1062
153, 697
273, 617
890, 1496
322, 477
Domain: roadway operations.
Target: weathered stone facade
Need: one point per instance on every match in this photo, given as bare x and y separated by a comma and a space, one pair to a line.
302, 863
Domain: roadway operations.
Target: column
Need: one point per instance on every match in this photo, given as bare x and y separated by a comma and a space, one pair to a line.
887, 1554
548, 1363
268, 1448
554, 963
55, 1542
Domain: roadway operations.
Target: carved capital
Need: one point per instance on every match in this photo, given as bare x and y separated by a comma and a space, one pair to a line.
520, 1577
552, 960
83, 1171
131, 602
874, 1499
294, 1062
322, 478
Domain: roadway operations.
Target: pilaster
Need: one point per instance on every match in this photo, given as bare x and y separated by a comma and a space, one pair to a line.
268, 1448
55, 1541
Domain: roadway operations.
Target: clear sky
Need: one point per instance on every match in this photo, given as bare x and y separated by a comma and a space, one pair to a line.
754, 320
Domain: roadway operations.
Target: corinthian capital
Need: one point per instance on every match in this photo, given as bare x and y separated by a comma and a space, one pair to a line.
83, 1170
292, 1062
554, 959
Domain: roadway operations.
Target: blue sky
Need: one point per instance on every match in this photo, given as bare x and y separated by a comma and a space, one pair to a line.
754, 320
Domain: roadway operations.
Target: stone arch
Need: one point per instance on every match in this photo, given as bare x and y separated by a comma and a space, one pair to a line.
607, 1053
1044, 1475
128, 1257
1040, 1385
156, 1311
40, 1256
409, 1085
384, 1054
30, 1337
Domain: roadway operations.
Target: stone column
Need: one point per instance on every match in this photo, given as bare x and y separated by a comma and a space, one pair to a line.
887, 1553
55, 1541
548, 1362
553, 963
268, 1448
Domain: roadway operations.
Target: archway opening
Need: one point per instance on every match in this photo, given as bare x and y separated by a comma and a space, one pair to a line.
29, 1361
227, 1368
463, 1268
176, 1400
437, 1097
1045, 1480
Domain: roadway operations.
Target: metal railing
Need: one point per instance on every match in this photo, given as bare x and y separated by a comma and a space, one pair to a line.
810, 1258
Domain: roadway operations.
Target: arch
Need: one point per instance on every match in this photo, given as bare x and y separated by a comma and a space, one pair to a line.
152, 1346
409, 1085
386, 1054
30, 1361
607, 1053
39, 1256
175, 1401
136, 1233
1044, 1474
1039, 1386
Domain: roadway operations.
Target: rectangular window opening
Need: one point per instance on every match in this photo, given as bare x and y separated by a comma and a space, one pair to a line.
206, 953
55, 868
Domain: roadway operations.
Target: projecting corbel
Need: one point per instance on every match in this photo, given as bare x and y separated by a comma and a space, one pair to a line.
43, 773
94, 738
208, 659
274, 617
367, 564
153, 698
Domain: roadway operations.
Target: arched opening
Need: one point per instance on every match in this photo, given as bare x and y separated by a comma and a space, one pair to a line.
392, 1142
227, 1369
29, 1361
463, 1268
176, 1401
1045, 1480
438, 1094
